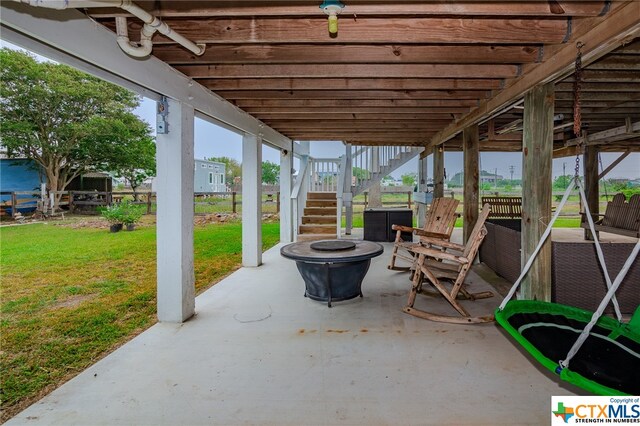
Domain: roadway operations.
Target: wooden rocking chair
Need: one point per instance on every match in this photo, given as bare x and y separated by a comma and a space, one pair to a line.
450, 261
439, 224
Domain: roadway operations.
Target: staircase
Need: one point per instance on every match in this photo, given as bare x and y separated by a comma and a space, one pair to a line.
390, 158
319, 219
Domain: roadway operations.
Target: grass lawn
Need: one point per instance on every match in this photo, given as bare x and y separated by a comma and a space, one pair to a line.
69, 296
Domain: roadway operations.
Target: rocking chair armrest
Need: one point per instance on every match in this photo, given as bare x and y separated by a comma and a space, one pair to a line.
429, 234
441, 243
437, 254
403, 228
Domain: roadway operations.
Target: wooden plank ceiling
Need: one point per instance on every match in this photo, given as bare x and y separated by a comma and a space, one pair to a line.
398, 72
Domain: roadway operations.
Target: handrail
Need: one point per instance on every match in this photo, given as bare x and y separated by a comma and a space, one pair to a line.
304, 168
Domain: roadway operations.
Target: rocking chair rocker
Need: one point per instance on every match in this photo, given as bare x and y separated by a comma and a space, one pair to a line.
450, 261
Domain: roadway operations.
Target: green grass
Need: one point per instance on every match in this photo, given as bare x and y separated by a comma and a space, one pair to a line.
69, 296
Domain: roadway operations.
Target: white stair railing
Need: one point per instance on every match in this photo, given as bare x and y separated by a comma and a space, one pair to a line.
371, 164
324, 174
299, 194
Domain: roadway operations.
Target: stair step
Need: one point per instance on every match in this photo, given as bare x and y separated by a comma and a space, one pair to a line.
318, 220
315, 237
320, 211
317, 229
322, 203
321, 196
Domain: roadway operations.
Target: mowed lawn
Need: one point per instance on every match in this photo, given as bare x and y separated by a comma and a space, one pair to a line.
69, 296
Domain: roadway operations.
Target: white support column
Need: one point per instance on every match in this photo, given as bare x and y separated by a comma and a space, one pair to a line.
286, 220
251, 200
176, 280
347, 196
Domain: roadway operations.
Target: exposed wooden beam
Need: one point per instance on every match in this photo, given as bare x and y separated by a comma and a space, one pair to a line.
277, 111
192, 9
381, 116
351, 84
365, 30
614, 164
600, 36
617, 62
349, 71
608, 76
344, 103
353, 94
628, 131
601, 87
353, 54
352, 124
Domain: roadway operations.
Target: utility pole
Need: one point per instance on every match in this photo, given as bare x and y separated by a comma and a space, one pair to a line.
511, 169
495, 178
564, 175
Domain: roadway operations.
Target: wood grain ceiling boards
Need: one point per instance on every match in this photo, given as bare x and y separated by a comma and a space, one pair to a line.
398, 72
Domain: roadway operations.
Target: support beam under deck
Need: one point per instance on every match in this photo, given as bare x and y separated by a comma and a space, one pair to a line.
471, 149
536, 189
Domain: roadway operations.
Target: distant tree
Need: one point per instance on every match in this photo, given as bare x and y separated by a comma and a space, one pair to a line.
562, 181
232, 167
360, 174
132, 154
409, 179
270, 172
60, 117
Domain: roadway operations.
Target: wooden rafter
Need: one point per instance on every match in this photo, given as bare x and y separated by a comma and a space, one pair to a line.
600, 37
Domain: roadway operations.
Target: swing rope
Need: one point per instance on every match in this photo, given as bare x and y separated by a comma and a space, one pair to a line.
574, 182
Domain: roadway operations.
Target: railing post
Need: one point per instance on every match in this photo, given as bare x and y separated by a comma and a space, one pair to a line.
71, 206
233, 202
409, 194
149, 202
14, 204
278, 202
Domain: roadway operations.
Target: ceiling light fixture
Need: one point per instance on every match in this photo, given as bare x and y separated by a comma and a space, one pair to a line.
332, 8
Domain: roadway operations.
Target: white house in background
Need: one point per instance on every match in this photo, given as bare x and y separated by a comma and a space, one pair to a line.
209, 176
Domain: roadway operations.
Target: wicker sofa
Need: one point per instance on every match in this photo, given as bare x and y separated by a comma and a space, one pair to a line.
577, 279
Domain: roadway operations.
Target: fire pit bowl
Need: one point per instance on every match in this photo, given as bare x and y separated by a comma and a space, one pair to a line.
332, 270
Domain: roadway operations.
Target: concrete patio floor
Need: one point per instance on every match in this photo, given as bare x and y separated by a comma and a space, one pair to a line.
258, 352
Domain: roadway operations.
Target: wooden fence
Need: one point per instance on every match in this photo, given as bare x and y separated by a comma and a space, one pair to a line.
409, 202
89, 201
13, 201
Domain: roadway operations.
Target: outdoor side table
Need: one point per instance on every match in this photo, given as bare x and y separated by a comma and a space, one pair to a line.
332, 270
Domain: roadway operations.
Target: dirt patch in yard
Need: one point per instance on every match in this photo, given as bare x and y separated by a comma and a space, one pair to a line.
73, 301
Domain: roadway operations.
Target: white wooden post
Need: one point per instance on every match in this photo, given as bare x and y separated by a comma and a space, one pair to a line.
347, 196
286, 220
423, 173
251, 200
176, 280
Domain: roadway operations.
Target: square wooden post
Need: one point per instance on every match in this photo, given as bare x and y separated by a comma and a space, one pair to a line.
537, 159
471, 153
438, 171
590, 166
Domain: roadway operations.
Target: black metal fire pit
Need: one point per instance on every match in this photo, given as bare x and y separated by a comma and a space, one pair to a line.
332, 270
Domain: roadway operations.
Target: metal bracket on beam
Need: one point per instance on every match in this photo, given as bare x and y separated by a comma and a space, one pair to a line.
162, 114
